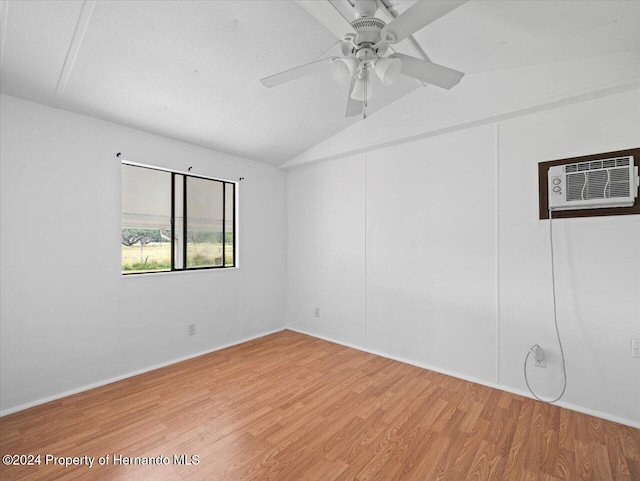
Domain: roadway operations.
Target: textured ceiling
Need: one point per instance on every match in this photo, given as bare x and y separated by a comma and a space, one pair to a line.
190, 70
489, 35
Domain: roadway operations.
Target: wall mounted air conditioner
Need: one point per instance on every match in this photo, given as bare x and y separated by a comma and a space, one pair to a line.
594, 184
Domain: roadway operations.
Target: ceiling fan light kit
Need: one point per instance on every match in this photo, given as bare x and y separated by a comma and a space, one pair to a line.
362, 88
364, 49
343, 69
387, 69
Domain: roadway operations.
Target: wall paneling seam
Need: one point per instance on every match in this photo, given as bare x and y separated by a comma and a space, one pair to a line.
497, 245
366, 159
74, 47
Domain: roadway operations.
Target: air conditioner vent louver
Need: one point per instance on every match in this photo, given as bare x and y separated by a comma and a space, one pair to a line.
575, 185
619, 175
598, 164
599, 183
618, 189
619, 183
596, 184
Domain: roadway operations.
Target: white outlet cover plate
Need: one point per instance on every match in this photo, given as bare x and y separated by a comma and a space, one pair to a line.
542, 363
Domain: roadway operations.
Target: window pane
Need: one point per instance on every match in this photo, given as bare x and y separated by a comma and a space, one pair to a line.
178, 225
204, 222
229, 209
146, 220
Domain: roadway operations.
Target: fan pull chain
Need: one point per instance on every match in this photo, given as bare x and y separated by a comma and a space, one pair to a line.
366, 85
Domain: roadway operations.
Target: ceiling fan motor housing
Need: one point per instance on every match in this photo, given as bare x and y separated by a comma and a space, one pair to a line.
368, 29
365, 8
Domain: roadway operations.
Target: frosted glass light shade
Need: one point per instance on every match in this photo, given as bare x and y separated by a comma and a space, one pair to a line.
342, 70
359, 88
387, 69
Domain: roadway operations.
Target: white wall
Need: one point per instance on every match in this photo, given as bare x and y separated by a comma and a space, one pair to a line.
417, 252
68, 318
598, 261
325, 254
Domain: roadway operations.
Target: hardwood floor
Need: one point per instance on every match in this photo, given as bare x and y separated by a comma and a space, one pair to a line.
292, 407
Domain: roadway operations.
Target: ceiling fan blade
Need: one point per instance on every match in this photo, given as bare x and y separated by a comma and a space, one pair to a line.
334, 15
297, 72
419, 15
354, 107
429, 72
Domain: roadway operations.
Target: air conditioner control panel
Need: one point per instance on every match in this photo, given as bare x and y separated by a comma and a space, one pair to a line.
555, 191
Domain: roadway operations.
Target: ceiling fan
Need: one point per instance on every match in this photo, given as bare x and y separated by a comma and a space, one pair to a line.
364, 50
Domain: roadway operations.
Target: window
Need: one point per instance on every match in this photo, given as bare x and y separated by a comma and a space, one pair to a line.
174, 222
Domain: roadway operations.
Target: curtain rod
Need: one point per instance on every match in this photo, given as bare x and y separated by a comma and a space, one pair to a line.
181, 172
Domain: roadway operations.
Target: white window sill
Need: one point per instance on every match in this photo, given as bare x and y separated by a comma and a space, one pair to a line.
173, 273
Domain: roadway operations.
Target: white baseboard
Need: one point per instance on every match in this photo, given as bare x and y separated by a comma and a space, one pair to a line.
104, 382
570, 406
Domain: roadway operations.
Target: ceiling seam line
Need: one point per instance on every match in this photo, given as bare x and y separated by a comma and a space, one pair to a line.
74, 49
615, 88
324, 139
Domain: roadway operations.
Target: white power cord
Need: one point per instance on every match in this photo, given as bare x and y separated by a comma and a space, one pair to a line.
555, 319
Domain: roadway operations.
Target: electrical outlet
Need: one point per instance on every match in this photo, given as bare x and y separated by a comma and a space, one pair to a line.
191, 329
317, 312
635, 347
539, 357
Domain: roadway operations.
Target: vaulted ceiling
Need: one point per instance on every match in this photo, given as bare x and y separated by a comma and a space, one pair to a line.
190, 70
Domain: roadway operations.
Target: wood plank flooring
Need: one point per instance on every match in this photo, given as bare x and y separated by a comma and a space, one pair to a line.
292, 407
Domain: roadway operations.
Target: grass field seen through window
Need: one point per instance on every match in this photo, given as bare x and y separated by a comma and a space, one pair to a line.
156, 256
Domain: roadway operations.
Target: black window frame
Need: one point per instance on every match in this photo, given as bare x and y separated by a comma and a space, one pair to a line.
225, 185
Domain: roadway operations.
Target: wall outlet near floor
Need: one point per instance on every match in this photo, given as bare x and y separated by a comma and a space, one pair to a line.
317, 311
191, 329
539, 357
635, 347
